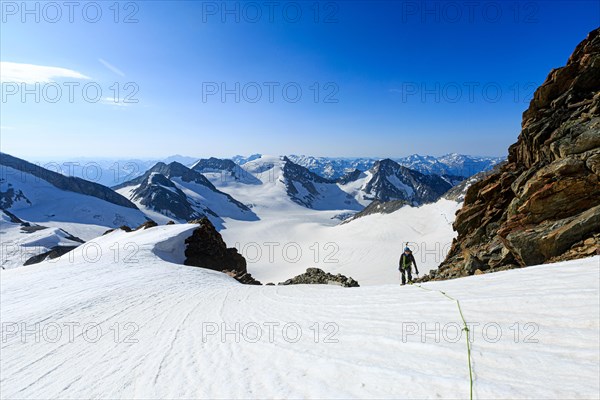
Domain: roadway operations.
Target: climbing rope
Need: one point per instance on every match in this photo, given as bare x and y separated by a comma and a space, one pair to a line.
465, 328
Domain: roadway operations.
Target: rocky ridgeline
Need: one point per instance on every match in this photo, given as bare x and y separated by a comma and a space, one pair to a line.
543, 205
206, 248
316, 276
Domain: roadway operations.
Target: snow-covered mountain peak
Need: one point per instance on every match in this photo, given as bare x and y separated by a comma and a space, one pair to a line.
174, 191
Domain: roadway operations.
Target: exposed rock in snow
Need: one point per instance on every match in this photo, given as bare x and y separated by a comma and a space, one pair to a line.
316, 276
206, 249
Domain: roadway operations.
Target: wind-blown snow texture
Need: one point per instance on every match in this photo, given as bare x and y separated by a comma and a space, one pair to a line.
163, 313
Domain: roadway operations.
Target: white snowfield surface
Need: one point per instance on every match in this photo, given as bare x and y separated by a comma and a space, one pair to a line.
289, 238
284, 244
134, 324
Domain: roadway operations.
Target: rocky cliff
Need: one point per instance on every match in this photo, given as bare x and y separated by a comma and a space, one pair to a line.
543, 205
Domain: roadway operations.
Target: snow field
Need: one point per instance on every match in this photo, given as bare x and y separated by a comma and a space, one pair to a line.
177, 336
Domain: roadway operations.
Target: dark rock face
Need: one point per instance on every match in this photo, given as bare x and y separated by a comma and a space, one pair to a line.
544, 204
11, 196
294, 175
214, 164
391, 181
349, 177
55, 252
177, 170
14, 219
62, 182
316, 276
313, 191
158, 193
206, 249
455, 180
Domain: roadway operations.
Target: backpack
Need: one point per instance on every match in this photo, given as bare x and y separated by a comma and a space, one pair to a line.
406, 261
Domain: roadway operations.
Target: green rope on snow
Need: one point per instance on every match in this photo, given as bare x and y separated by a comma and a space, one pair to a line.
466, 329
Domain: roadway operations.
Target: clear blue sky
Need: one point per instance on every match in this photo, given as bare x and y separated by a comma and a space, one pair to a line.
395, 69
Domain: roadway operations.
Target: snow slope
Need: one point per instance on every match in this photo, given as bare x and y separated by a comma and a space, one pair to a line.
288, 240
170, 321
18, 243
81, 215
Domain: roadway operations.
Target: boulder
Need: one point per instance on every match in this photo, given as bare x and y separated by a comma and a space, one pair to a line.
207, 249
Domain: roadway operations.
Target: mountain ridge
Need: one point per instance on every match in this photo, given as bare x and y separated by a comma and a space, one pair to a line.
179, 192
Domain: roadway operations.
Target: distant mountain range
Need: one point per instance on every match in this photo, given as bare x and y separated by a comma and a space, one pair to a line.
52, 212
212, 187
45, 214
386, 180
113, 172
450, 164
107, 171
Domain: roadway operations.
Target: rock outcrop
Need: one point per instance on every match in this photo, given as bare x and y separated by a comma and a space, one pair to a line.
206, 249
53, 253
146, 225
316, 276
124, 228
543, 205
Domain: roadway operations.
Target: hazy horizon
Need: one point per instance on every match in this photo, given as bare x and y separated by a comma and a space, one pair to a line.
160, 158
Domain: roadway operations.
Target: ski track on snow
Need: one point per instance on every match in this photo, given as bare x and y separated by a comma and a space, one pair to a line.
169, 304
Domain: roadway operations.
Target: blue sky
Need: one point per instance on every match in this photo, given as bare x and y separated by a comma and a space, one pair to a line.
383, 79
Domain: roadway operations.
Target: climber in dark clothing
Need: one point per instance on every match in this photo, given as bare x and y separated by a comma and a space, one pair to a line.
406, 261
